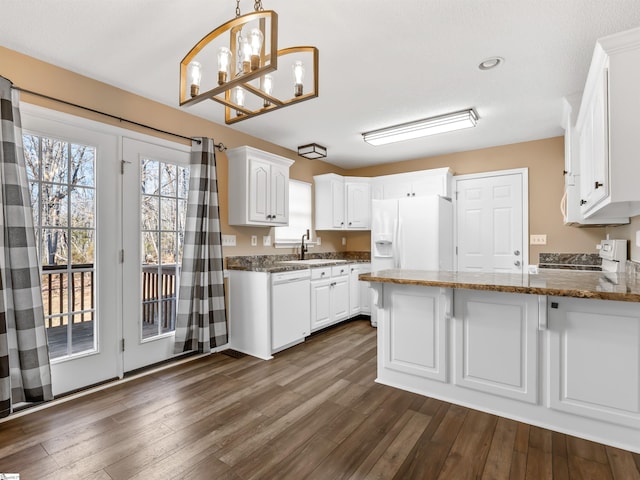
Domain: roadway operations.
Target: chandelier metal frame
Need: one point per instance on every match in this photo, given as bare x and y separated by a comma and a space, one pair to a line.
268, 62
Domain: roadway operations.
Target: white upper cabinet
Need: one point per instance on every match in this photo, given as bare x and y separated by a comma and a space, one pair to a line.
422, 183
608, 130
342, 203
258, 187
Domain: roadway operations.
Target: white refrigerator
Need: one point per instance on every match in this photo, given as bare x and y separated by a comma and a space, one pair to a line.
414, 233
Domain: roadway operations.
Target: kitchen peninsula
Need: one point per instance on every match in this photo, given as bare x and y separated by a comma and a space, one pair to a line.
557, 349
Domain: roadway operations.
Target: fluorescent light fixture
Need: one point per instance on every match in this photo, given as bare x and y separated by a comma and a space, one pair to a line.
313, 151
422, 128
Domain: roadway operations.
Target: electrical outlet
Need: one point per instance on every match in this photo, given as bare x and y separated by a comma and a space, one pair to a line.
254, 240
538, 240
319, 241
266, 240
228, 240
344, 240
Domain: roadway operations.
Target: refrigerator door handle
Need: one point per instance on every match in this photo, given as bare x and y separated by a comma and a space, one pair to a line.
398, 244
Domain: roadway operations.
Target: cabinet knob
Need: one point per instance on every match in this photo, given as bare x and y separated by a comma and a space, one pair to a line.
349, 223
582, 202
516, 252
598, 184
408, 194
413, 194
517, 263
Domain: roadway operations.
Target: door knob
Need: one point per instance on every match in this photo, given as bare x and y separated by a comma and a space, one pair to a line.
517, 263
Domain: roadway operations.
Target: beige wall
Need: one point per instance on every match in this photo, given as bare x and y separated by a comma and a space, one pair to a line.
544, 158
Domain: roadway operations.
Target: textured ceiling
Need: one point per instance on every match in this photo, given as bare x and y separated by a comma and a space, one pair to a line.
382, 62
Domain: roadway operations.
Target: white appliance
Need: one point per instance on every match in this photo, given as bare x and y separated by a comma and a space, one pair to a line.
613, 254
290, 313
413, 233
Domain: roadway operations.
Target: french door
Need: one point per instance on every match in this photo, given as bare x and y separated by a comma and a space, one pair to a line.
155, 184
73, 180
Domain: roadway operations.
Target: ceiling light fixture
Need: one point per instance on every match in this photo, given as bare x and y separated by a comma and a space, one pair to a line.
490, 63
244, 53
313, 151
422, 128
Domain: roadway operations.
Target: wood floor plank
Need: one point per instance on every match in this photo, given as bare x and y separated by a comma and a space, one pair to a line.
313, 412
622, 464
498, 464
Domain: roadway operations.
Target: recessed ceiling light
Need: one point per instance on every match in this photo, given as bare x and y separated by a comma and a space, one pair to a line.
490, 63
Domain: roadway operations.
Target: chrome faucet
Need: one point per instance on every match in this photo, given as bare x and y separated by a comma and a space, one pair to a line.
303, 247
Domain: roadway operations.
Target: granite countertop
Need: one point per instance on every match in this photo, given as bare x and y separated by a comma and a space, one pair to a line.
273, 263
564, 283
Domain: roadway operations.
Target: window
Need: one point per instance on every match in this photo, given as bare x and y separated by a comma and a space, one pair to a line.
63, 190
299, 215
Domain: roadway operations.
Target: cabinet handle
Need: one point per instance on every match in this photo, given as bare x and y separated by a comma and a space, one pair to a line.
582, 202
554, 305
598, 184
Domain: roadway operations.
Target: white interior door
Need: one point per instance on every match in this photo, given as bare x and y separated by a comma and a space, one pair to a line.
73, 180
155, 185
492, 221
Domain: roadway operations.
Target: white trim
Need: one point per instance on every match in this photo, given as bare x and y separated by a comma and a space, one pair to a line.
525, 206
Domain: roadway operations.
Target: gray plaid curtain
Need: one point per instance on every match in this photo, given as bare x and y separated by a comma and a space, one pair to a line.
202, 321
25, 373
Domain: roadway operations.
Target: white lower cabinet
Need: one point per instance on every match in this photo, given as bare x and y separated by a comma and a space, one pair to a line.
329, 296
416, 331
359, 293
594, 358
496, 343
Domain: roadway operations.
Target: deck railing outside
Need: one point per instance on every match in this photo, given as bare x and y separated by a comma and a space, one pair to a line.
158, 294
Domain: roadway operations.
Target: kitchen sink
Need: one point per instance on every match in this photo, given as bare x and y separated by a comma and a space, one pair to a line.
314, 261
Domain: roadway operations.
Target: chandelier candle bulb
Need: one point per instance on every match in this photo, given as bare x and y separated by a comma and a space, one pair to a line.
245, 47
267, 87
255, 40
298, 75
224, 59
239, 97
195, 74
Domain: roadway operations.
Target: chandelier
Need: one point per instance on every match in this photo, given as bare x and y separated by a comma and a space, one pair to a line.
239, 65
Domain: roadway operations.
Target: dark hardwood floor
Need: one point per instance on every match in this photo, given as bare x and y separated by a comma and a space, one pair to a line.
314, 412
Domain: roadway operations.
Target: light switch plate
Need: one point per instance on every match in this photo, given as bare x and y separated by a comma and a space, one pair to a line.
344, 240
254, 240
538, 240
228, 240
266, 240
318, 241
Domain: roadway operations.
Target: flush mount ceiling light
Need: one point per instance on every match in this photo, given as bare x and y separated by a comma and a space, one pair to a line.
250, 79
422, 128
490, 63
313, 151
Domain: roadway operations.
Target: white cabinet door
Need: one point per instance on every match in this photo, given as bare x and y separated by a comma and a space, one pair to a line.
337, 204
259, 190
496, 343
354, 290
320, 303
358, 205
593, 348
365, 291
397, 189
415, 331
340, 298
279, 194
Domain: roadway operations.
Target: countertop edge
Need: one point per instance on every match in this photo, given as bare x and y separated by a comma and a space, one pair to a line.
532, 290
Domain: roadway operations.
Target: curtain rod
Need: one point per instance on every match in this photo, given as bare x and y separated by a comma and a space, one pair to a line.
220, 146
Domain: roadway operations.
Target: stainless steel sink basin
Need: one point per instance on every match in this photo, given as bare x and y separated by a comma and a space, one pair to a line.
314, 261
